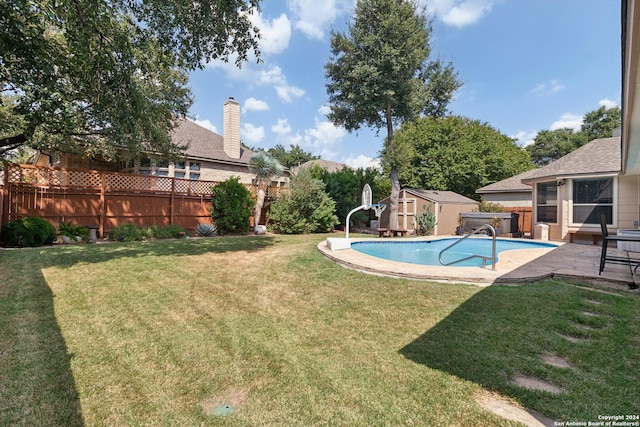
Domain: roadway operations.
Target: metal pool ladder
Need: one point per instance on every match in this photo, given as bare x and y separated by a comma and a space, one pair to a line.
484, 259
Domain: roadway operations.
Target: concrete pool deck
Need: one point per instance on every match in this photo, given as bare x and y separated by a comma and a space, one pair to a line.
568, 260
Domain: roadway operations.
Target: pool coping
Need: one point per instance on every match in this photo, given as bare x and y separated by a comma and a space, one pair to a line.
567, 260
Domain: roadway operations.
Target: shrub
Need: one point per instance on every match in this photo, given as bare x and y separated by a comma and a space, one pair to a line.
231, 206
128, 232
171, 231
425, 222
307, 208
490, 207
72, 230
28, 231
205, 230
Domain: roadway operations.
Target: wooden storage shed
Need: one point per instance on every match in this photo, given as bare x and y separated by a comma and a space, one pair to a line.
446, 205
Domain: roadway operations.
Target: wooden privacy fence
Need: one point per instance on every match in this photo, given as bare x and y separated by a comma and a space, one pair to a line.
104, 199
524, 220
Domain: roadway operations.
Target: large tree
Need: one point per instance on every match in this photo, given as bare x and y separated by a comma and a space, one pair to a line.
550, 145
457, 154
293, 157
379, 75
90, 75
265, 168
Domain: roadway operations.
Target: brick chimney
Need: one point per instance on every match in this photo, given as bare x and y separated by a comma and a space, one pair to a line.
231, 128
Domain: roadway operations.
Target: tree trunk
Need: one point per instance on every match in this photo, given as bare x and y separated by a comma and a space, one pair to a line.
394, 176
258, 208
393, 200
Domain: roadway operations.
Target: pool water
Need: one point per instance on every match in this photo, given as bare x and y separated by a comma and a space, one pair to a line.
426, 252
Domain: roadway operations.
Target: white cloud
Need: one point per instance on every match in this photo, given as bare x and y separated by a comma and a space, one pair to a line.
275, 35
323, 138
524, 138
252, 104
313, 17
567, 120
284, 133
206, 124
273, 75
251, 133
324, 110
286, 92
607, 103
547, 88
319, 140
459, 13
362, 161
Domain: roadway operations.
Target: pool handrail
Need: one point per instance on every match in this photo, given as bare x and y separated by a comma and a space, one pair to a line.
484, 258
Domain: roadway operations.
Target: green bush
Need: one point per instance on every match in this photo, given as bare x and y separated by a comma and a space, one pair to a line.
231, 206
171, 231
490, 207
28, 231
72, 230
128, 232
306, 208
425, 222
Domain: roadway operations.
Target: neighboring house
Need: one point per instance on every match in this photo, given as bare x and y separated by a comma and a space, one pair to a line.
209, 156
570, 193
514, 196
510, 192
328, 165
446, 205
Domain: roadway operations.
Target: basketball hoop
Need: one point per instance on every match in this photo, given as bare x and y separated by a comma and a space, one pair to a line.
366, 197
378, 208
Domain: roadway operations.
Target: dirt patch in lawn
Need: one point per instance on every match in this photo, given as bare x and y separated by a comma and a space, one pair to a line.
555, 360
508, 410
233, 396
536, 384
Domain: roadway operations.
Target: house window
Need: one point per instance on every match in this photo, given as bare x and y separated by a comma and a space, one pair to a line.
590, 198
162, 167
179, 169
194, 170
145, 166
547, 202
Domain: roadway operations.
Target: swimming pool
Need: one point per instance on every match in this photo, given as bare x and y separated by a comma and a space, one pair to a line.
426, 252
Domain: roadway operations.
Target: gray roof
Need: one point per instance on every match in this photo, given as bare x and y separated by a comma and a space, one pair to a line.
204, 144
598, 157
437, 196
327, 165
509, 185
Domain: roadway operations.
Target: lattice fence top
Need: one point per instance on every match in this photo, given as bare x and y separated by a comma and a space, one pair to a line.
52, 177
113, 181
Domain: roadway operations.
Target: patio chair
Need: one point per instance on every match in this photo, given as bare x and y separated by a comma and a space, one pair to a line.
604, 258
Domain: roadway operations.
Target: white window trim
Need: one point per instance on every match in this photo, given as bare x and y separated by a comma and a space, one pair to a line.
535, 204
570, 201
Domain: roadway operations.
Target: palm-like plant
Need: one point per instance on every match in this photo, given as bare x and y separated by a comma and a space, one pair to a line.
265, 168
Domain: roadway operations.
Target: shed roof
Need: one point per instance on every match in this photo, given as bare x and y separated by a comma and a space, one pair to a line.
446, 197
598, 157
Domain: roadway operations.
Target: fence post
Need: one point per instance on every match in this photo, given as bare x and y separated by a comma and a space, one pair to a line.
4, 203
172, 200
103, 202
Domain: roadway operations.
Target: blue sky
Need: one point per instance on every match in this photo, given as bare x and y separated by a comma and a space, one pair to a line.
525, 65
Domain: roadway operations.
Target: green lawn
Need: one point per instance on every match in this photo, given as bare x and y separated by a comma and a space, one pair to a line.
163, 333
